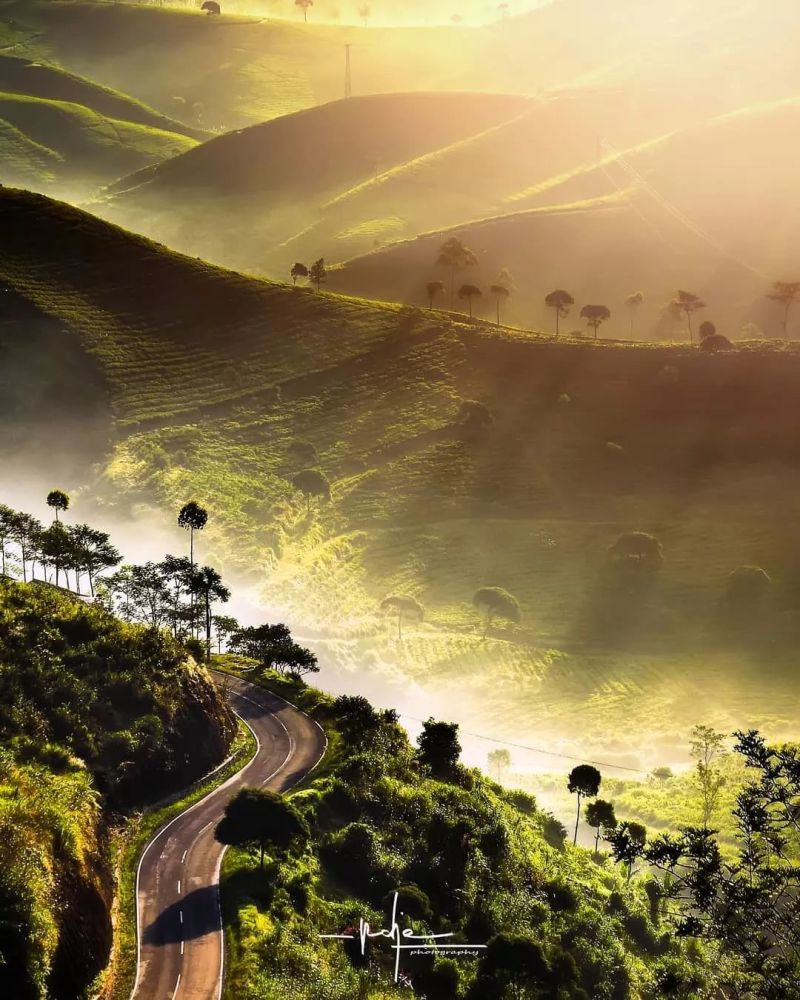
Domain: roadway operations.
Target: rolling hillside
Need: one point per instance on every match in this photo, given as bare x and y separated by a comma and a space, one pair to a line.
236, 198
211, 377
655, 217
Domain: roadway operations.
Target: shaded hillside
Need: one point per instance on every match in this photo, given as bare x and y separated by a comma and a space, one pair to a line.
70, 148
19, 75
214, 377
235, 198
659, 216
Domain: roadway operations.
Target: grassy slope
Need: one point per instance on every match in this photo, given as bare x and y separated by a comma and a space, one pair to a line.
234, 199
193, 368
78, 147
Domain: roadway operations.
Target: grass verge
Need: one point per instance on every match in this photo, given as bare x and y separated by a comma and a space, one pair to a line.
116, 982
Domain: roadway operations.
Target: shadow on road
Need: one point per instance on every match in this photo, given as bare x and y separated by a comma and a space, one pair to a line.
200, 917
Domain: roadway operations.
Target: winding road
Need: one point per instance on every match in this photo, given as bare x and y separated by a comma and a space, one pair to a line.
179, 923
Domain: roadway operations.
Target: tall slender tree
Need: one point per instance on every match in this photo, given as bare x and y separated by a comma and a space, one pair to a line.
469, 292
634, 302
207, 584
787, 294
455, 257
501, 290
58, 501
584, 782
192, 517
304, 5
687, 304
433, 288
560, 301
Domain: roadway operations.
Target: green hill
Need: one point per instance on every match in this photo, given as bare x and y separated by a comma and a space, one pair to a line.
235, 198
213, 377
98, 718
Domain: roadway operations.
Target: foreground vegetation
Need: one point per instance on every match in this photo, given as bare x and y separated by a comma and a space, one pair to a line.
466, 858
98, 718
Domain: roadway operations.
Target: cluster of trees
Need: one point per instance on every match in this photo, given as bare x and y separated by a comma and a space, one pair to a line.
455, 256
175, 594
747, 902
393, 821
59, 552
317, 274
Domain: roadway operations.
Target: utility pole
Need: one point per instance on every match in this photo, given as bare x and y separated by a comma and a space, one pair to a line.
348, 81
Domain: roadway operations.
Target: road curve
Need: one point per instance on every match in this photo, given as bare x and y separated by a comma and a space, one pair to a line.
179, 926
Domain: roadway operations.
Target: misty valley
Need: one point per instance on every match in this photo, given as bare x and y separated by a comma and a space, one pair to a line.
399, 509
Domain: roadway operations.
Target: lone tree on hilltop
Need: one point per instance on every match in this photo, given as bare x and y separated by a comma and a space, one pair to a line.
469, 292
406, 608
584, 782
633, 302
786, 293
455, 256
299, 270
433, 288
595, 316
312, 483
687, 304
304, 5
259, 817
495, 602
600, 815
561, 302
58, 501
439, 747
317, 274
192, 517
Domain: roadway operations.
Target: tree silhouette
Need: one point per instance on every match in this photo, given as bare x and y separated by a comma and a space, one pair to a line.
687, 304
627, 841
469, 292
584, 781
501, 293
600, 815
211, 7
258, 816
7, 518
273, 648
317, 273
298, 271
708, 748
499, 762
560, 301
786, 293
633, 302
455, 256
93, 553
54, 548
364, 12
58, 500
192, 517
304, 5
707, 329
312, 483
595, 316
405, 608
439, 747
494, 602
26, 531
433, 288
207, 584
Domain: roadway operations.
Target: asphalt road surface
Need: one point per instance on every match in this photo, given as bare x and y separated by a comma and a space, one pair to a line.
179, 922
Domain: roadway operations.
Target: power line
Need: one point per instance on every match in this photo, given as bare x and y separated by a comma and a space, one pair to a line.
549, 753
